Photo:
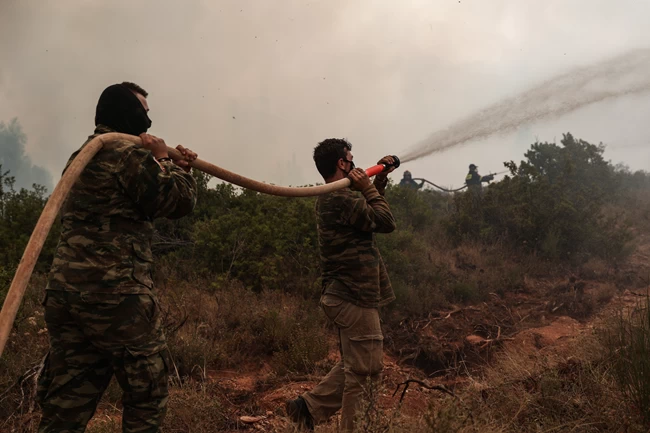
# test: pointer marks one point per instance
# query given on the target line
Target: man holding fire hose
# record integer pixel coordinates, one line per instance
(474, 182)
(355, 285)
(101, 314)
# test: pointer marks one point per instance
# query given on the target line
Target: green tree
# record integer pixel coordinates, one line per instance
(263, 241)
(19, 212)
(551, 205)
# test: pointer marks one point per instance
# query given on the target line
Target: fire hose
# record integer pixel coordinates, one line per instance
(457, 189)
(106, 141)
(441, 188)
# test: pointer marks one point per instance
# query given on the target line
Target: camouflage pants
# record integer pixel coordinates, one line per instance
(358, 373)
(92, 337)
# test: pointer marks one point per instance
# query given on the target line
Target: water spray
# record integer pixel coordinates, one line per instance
(106, 141)
(620, 76)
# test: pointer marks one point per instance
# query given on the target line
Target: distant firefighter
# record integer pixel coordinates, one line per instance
(474, 183)
(408, 182)
(474, 180)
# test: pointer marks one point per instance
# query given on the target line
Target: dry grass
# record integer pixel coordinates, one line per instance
(222, 326)
(207, 328)
(604, 293)
(548, 391)
(524, 392)
(232, 326)
(627, 344)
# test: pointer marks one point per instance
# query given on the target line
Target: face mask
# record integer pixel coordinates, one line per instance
(352, 166)
(119, 109)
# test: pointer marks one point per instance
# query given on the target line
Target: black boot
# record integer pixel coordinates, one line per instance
(298, 412)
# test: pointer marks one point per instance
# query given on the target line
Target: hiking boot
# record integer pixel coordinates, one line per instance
(298, 412)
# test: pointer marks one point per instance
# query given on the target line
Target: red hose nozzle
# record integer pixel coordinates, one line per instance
(376, 169)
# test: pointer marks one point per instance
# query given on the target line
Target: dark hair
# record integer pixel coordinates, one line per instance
(135, 88)
(327, 155)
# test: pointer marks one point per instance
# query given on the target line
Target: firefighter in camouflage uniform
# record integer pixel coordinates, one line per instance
(102, 317)
(355, 285)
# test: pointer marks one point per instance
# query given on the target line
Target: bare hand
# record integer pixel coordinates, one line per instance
(188, 156)
(155, 145)
(387, 161)
(360, 179)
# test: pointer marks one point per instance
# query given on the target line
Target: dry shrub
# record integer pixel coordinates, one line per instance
(233, 326)
(525, 392)
(20, 361)
(578, 307)
(300, 350)
(594, 269)
(604, 293)
(430, 278)
(197, 407)
(627, 341)
(488, 269)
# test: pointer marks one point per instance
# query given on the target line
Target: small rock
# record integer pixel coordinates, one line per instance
(474, 339)
(251, 419)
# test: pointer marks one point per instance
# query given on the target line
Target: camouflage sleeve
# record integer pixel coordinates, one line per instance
(369, 214)
(158, 189)
(380, 183)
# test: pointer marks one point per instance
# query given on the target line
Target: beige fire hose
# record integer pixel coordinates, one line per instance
(54, 203)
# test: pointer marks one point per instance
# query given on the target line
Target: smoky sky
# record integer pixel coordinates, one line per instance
(253, 86)
(15, 163)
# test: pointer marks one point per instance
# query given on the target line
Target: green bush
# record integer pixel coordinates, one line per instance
(263, 241)
(551, 205)
(19, 212)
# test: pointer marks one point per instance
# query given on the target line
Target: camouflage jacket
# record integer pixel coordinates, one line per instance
(352, 267)
(107, 220)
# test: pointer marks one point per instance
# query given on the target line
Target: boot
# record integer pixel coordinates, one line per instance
(298, 412)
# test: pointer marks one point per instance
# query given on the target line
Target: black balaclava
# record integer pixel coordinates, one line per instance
(119, 109)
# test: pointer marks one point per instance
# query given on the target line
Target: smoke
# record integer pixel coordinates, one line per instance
(620, 76)
(250, 84)
(14, 159)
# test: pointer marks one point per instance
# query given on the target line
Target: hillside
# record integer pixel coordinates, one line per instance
(514, 307)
